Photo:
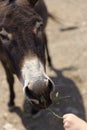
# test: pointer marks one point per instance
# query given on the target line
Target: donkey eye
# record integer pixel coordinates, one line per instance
(38, 27)
(5, 37)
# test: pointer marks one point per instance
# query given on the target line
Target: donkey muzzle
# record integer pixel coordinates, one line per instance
(39, 92)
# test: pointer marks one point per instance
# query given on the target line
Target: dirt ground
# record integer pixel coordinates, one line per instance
(68, 48)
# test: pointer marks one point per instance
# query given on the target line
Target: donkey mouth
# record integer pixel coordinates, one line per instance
(42, 101)
(41, 105)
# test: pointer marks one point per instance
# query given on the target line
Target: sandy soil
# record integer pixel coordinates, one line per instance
(68, 49)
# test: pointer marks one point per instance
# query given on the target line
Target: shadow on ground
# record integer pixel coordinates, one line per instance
(46, 120)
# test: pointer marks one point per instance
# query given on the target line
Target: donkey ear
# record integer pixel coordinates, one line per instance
(5, 37)
(33, 2)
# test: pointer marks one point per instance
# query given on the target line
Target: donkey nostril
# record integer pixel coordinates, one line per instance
(51, 87)
(31, 96)
(28, 92)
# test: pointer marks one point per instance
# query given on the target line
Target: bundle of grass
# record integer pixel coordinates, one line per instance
(55, 99)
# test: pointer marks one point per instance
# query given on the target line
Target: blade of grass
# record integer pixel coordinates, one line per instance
(56, 115)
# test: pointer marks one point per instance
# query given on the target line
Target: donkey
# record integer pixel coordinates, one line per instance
(22, 51)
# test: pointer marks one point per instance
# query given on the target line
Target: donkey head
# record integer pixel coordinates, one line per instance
(21, 35)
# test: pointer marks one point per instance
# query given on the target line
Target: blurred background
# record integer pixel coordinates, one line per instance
(67, 42)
